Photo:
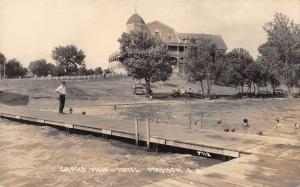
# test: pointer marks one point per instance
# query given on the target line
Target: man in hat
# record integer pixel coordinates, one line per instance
(62, 96)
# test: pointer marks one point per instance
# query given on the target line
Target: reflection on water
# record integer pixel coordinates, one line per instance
(43, 156)
(13, 99)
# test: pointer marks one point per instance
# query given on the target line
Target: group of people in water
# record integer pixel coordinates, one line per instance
(246, 125)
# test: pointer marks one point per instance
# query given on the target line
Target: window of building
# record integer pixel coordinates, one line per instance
(172, 48)
(181, 48)
(157, 33)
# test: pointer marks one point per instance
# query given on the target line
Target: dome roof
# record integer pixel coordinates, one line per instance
(136, 19)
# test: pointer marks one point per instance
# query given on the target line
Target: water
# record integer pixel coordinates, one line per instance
(261, 114)
(10, 98)
(43, 156)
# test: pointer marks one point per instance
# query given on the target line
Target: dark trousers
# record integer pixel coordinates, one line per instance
(62, 100)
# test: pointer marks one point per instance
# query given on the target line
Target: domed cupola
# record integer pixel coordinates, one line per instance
(136, 19)
(136, 23)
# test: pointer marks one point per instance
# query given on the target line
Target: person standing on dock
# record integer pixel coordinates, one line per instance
(62, 96)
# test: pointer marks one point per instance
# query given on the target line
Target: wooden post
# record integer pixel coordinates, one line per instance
(190, 121)
(148, 132)
(201, 115)
(136, 131)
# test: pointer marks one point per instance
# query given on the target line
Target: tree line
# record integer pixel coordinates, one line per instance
(69, 61)
(146, 57)
(278, 61)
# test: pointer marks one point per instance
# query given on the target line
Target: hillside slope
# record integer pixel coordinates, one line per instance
(95, 91)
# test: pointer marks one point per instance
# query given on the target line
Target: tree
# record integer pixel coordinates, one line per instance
(2, 62)
(82, 71)
(90, 72)
(68, 58)
(193, 67)
(41, 68)
(15, 69)
(107, 71)
(51, 69)
(269, 76)
(258, 76)
(239, 63)
(145, 57)
(98, 71)
(241, 70)
(200, 64)
(59, 71)
(282, 48)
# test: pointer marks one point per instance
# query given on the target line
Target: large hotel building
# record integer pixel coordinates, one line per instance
(176, 42)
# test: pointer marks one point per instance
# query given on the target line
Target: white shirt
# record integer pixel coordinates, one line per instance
(61, 89)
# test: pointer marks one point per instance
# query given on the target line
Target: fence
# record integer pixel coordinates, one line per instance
(66, 78)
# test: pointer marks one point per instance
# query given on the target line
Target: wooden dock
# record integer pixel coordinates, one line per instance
(254, 149)
(252, 170)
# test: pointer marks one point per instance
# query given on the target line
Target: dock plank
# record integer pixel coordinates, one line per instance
(252, 170)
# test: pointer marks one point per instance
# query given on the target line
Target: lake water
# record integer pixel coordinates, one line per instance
(43, 156)
(216, 114)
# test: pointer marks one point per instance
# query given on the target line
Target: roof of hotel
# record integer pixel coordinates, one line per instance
(180, 37)
(153, 22)
(136, 19)
(217, 39)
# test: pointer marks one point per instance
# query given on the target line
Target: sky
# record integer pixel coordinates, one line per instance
(30, 29)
